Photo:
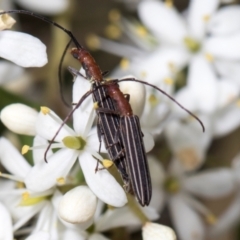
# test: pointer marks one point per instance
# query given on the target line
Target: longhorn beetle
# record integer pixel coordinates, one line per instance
(122, 135)
(107, 124)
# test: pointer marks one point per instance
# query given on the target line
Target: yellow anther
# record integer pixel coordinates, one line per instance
(112, 31)
(20, 185)
(6, 21)
(141, 31)
(61, 180)
(45, 110)
(169, 3)
(206, 18)
(114, 15)
(107, 163)
(172, 66)
(238, 102)
(93, 41)
(211, 219)
(95, 105)
(143, 74)
(168, 81)
(209, 57)
(124, 64)
(153, 100)
(25, 196)
(25, 149)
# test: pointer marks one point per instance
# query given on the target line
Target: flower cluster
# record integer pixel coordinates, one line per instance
(65, 190)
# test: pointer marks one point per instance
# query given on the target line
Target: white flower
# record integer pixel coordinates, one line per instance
(19, 118)
(177, 189)
(82, 144)
(188, 142)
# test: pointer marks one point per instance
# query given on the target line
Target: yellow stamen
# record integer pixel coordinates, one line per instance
(124, 64)
(61, 180)
(141, 31)
(168, 81)
(143, 74)
(76, 143)
(153, 100)
(25, 149)
(169, 3)
(20, 185)
(45, 110)
(238, 102)
(172, 66)
(6, 22)
(114, 15)
(25, 196)
(93, 42)
(206, 18)
(209, 57)
(107, 163)
(211, 219)
(112, 31)
(95, 105)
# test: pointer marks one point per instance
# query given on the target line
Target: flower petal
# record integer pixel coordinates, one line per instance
(148, 141)
(42, 235)
(191, 227)
(38, 153)
(123, 217)
(203, 84)
(97, 236)
(102, 183)
(210, 184)
(9, 73)
(44, 6)
(44, 175)
(12, 160)
(225, 21)
(6, 231)
(165, 22)
(198, 15)
(47, 126)
(188, 142)
(228, 219)
(163, 61)
(22, 49)
(19, 118)
(226, 120)
(81, 115)
(226, 47)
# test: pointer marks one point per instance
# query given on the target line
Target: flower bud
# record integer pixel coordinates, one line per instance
(77, 205)
(19, 118)
(155, 231)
